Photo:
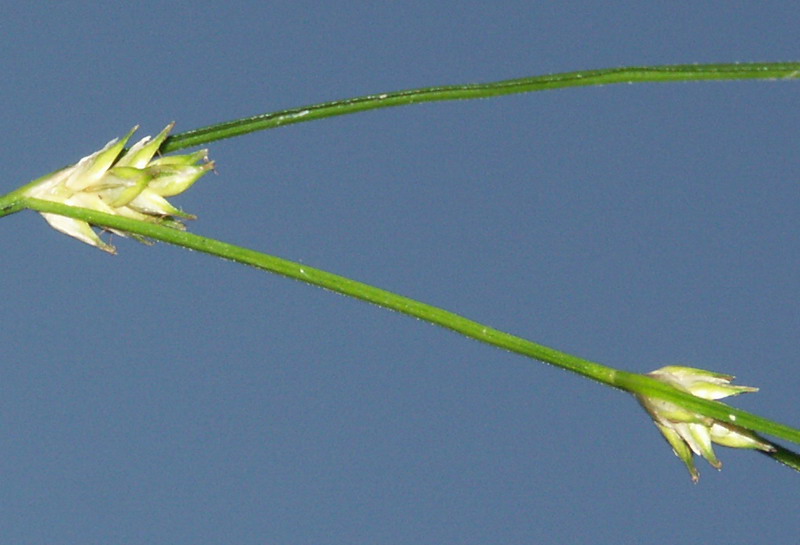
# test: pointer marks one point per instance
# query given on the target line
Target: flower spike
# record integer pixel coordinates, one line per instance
(691, 433)
(128, 183)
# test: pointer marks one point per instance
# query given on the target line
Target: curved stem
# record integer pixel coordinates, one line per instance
(635, 74)
(630, 382)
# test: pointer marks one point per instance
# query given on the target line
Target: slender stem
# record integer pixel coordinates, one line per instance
(784, 456)
(10, 204)
(635, 74)
(631, 382)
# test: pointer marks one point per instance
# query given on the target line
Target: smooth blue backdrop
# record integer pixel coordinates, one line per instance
(162, 396)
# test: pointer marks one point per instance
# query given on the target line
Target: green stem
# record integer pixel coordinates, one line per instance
(635, 74)
(630, 382)
(784, 456)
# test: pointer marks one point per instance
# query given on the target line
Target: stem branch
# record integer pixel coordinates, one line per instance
(633, 74)
(623, 380)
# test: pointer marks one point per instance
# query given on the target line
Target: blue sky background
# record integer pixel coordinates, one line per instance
(162, 396)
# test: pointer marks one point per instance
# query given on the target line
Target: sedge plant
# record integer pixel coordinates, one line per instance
(124, 190)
